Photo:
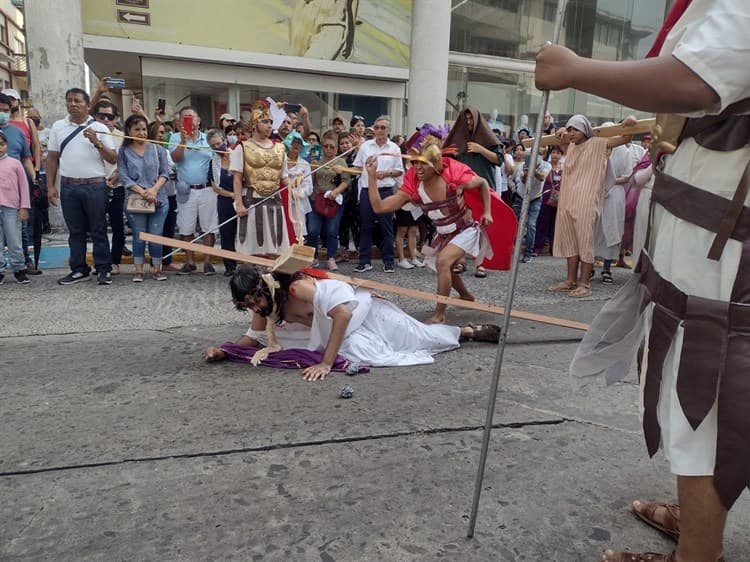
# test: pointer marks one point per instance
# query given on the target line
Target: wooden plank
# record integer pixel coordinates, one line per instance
(370, 284)
(641, 126)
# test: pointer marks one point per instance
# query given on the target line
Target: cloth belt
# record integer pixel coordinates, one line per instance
(197, 185)
(83, 181)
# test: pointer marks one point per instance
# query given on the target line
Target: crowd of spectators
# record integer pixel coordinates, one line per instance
(106, 163)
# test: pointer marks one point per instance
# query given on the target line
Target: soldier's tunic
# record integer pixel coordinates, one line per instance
(263, 230)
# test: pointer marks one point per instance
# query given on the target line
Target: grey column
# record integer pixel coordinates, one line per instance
(54, 32)
(428, 66)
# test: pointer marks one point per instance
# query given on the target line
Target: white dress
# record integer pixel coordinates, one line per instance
(612, 218)
(379, 334)
(300, 167)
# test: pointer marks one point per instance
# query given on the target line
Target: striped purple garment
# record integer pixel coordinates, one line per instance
(287, 358)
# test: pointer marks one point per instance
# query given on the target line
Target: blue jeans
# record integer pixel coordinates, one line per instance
(153, 224)
(84, 208)
(317, 225)
(367, 224)
(534, 208)
(10, 235)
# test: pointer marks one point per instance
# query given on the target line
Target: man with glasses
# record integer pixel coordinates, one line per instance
(105, 112)
(390, 168)
(78, 148)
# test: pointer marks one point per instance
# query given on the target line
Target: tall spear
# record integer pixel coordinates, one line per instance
(511, 288)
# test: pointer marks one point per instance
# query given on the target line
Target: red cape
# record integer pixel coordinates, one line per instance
(502, 231)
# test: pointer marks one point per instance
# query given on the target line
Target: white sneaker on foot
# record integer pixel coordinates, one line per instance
(405, 264)
(417, 263)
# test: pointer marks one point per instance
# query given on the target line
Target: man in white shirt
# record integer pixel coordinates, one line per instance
(78, 147)
(390, 168)
(537, 183)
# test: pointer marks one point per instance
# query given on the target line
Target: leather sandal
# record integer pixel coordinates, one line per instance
(581, 291)
(607, 278)
(562, 287)
(671, 525)
(458, 268)
(641, 557)
(480, 272)
(489, 333)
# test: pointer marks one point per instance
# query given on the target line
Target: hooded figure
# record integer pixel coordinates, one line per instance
(480, 149)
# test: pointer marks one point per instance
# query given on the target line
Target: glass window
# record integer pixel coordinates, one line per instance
(605, 29)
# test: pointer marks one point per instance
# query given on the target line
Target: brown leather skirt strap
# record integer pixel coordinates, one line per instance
(663, 328)
(704, 346)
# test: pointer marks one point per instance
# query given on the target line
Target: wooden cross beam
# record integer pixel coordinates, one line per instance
(370, 284)
(641, 126)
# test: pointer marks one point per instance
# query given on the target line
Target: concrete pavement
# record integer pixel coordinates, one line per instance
(120, 443)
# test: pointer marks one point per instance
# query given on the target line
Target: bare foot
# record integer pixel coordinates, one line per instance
(435, 319)
(467, 297)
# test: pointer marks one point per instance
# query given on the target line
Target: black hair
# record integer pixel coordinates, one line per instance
(5, 100)
(356, 119)
(3, 138)
(317, 136)
(104, 103)
(517, 145)
(153, 129)
(129, 122)
(247, 280)
(229, 128)
(80, 92)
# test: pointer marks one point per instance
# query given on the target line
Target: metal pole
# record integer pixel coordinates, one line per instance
(511, 289)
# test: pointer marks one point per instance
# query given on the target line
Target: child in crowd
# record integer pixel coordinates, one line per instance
(14, 209)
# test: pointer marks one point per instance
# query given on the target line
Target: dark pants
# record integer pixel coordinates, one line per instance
(318, 225)
(531, 218)
(170, 222)
(545, 228)
(27, 227)
(228, 232)
(84, 208)
(350, 218)
(115, 208)
(367, 224)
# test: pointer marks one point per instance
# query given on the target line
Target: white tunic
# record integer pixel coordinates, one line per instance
(711, 40)
(379, 334)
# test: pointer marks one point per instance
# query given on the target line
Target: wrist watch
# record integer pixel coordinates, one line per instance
(99, 146)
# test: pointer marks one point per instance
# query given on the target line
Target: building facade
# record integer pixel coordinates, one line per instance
(348, 57)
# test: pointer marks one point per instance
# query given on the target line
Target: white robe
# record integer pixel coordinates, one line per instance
(379, 334)
(612, 219)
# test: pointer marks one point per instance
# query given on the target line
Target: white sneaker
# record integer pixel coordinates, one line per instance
(405, 264)
(417, 263)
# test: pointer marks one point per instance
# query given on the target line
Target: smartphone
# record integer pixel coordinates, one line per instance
(161, 105)
(187, 124)
(292, 107)
(118, 83)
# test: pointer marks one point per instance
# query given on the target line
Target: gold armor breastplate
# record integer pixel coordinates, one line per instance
(263, 167)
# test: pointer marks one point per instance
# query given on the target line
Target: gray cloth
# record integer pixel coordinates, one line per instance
(581, 123)
(143, 170)
(612, 340)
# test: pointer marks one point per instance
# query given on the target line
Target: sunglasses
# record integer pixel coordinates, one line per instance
(379, 127)
(105, 116)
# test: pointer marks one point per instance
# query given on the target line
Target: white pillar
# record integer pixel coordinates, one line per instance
(54, 32)
(54, 42)
(233, 100)
(428, 66)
